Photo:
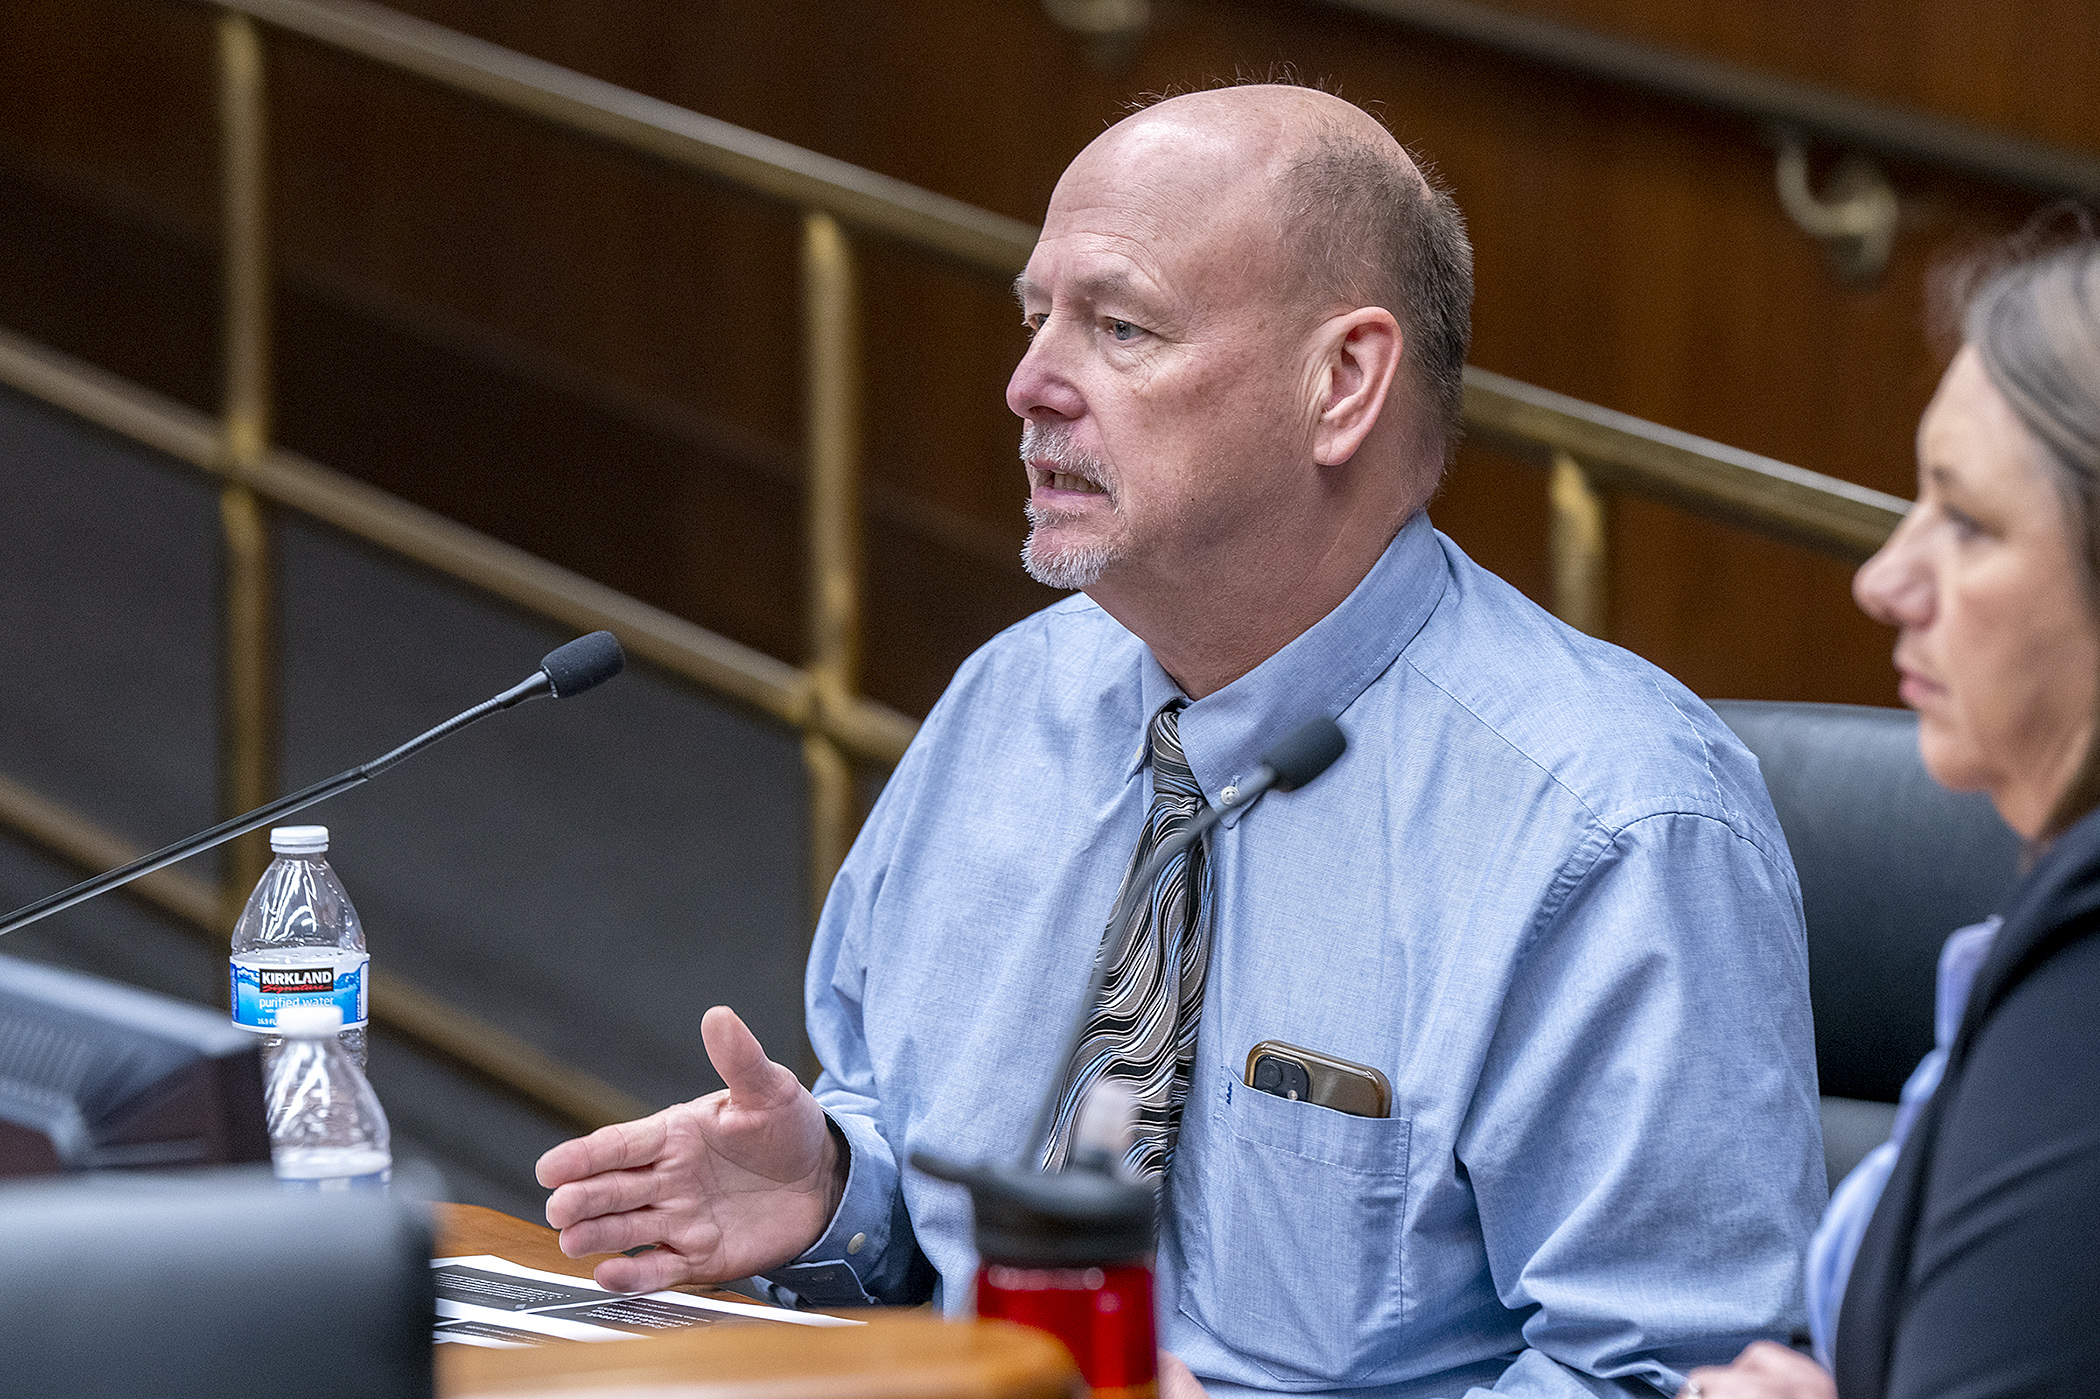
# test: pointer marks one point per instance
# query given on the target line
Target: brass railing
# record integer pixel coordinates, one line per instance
(1590, 449)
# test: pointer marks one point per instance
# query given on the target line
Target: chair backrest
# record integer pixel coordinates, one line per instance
(217, 1285)
(1890, 864)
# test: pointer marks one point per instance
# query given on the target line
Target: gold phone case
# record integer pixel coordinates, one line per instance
(1357, 1089)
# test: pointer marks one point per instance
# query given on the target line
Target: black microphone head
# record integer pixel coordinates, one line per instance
(1305, 754)
(585, 662)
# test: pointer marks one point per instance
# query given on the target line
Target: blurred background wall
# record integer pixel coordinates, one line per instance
(598, 360)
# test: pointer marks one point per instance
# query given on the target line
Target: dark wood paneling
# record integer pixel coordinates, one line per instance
(599, 360)
(2025, 67)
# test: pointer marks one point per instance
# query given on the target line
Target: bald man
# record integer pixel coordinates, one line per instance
(1542, 894)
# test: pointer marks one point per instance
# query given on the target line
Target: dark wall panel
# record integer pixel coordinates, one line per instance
(600, 360)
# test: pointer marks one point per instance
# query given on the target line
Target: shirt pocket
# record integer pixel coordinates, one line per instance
(1301, 1211)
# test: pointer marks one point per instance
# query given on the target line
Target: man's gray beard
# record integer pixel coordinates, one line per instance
(1072, 568)
(1075, 566)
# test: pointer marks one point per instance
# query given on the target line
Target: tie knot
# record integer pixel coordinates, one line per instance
(1171, 775)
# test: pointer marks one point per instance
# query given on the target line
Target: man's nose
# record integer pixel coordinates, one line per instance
(1041, 386)
(1895, 587)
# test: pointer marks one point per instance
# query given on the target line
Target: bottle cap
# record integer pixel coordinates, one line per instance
(309, 1022)
(299, 840)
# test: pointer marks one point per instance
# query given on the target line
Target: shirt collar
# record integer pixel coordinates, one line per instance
(1321, 672)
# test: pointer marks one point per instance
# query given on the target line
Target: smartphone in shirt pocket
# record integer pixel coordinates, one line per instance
(1306, 1075)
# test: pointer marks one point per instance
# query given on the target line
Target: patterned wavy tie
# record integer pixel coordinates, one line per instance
(1143, 1029)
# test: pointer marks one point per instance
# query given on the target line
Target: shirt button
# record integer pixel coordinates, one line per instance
(1229, 796)
(855, 1244)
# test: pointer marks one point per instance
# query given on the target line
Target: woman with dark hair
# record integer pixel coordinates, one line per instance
(1963, 1259)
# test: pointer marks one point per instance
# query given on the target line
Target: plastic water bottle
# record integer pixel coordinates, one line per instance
(299, 942)
(327, 1130)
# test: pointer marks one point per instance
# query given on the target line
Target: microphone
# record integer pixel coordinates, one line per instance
(1303, 755)
(583, 664)
(566, 671)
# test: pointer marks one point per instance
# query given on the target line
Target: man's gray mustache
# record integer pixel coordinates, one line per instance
(1041, 444)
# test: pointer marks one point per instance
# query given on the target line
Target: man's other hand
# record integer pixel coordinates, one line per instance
(727, 1185)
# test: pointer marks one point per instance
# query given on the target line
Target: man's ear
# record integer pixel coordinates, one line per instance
(1361, 354)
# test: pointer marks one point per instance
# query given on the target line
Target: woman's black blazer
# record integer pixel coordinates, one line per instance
(1980, 1272)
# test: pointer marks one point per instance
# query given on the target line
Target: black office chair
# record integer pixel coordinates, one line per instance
(1890, 864)
(212, 1285)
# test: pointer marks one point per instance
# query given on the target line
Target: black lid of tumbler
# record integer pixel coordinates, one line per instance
(1070, 1219)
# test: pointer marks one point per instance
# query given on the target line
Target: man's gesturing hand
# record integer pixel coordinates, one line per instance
(730, 1184)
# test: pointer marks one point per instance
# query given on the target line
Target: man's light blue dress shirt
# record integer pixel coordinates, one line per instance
(1543, 891)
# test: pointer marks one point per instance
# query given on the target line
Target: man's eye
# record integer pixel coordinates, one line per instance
(1124, 330)
(1031, 324)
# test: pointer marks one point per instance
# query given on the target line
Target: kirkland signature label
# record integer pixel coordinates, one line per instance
(260, 991)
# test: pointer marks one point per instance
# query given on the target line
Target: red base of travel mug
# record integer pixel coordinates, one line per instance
(1103, 1315)
(1067, 1253)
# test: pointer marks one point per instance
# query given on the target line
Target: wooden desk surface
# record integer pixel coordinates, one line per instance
(913, 1356)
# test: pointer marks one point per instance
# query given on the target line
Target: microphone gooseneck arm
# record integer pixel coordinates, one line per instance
(1301, 757)
(579, 669)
